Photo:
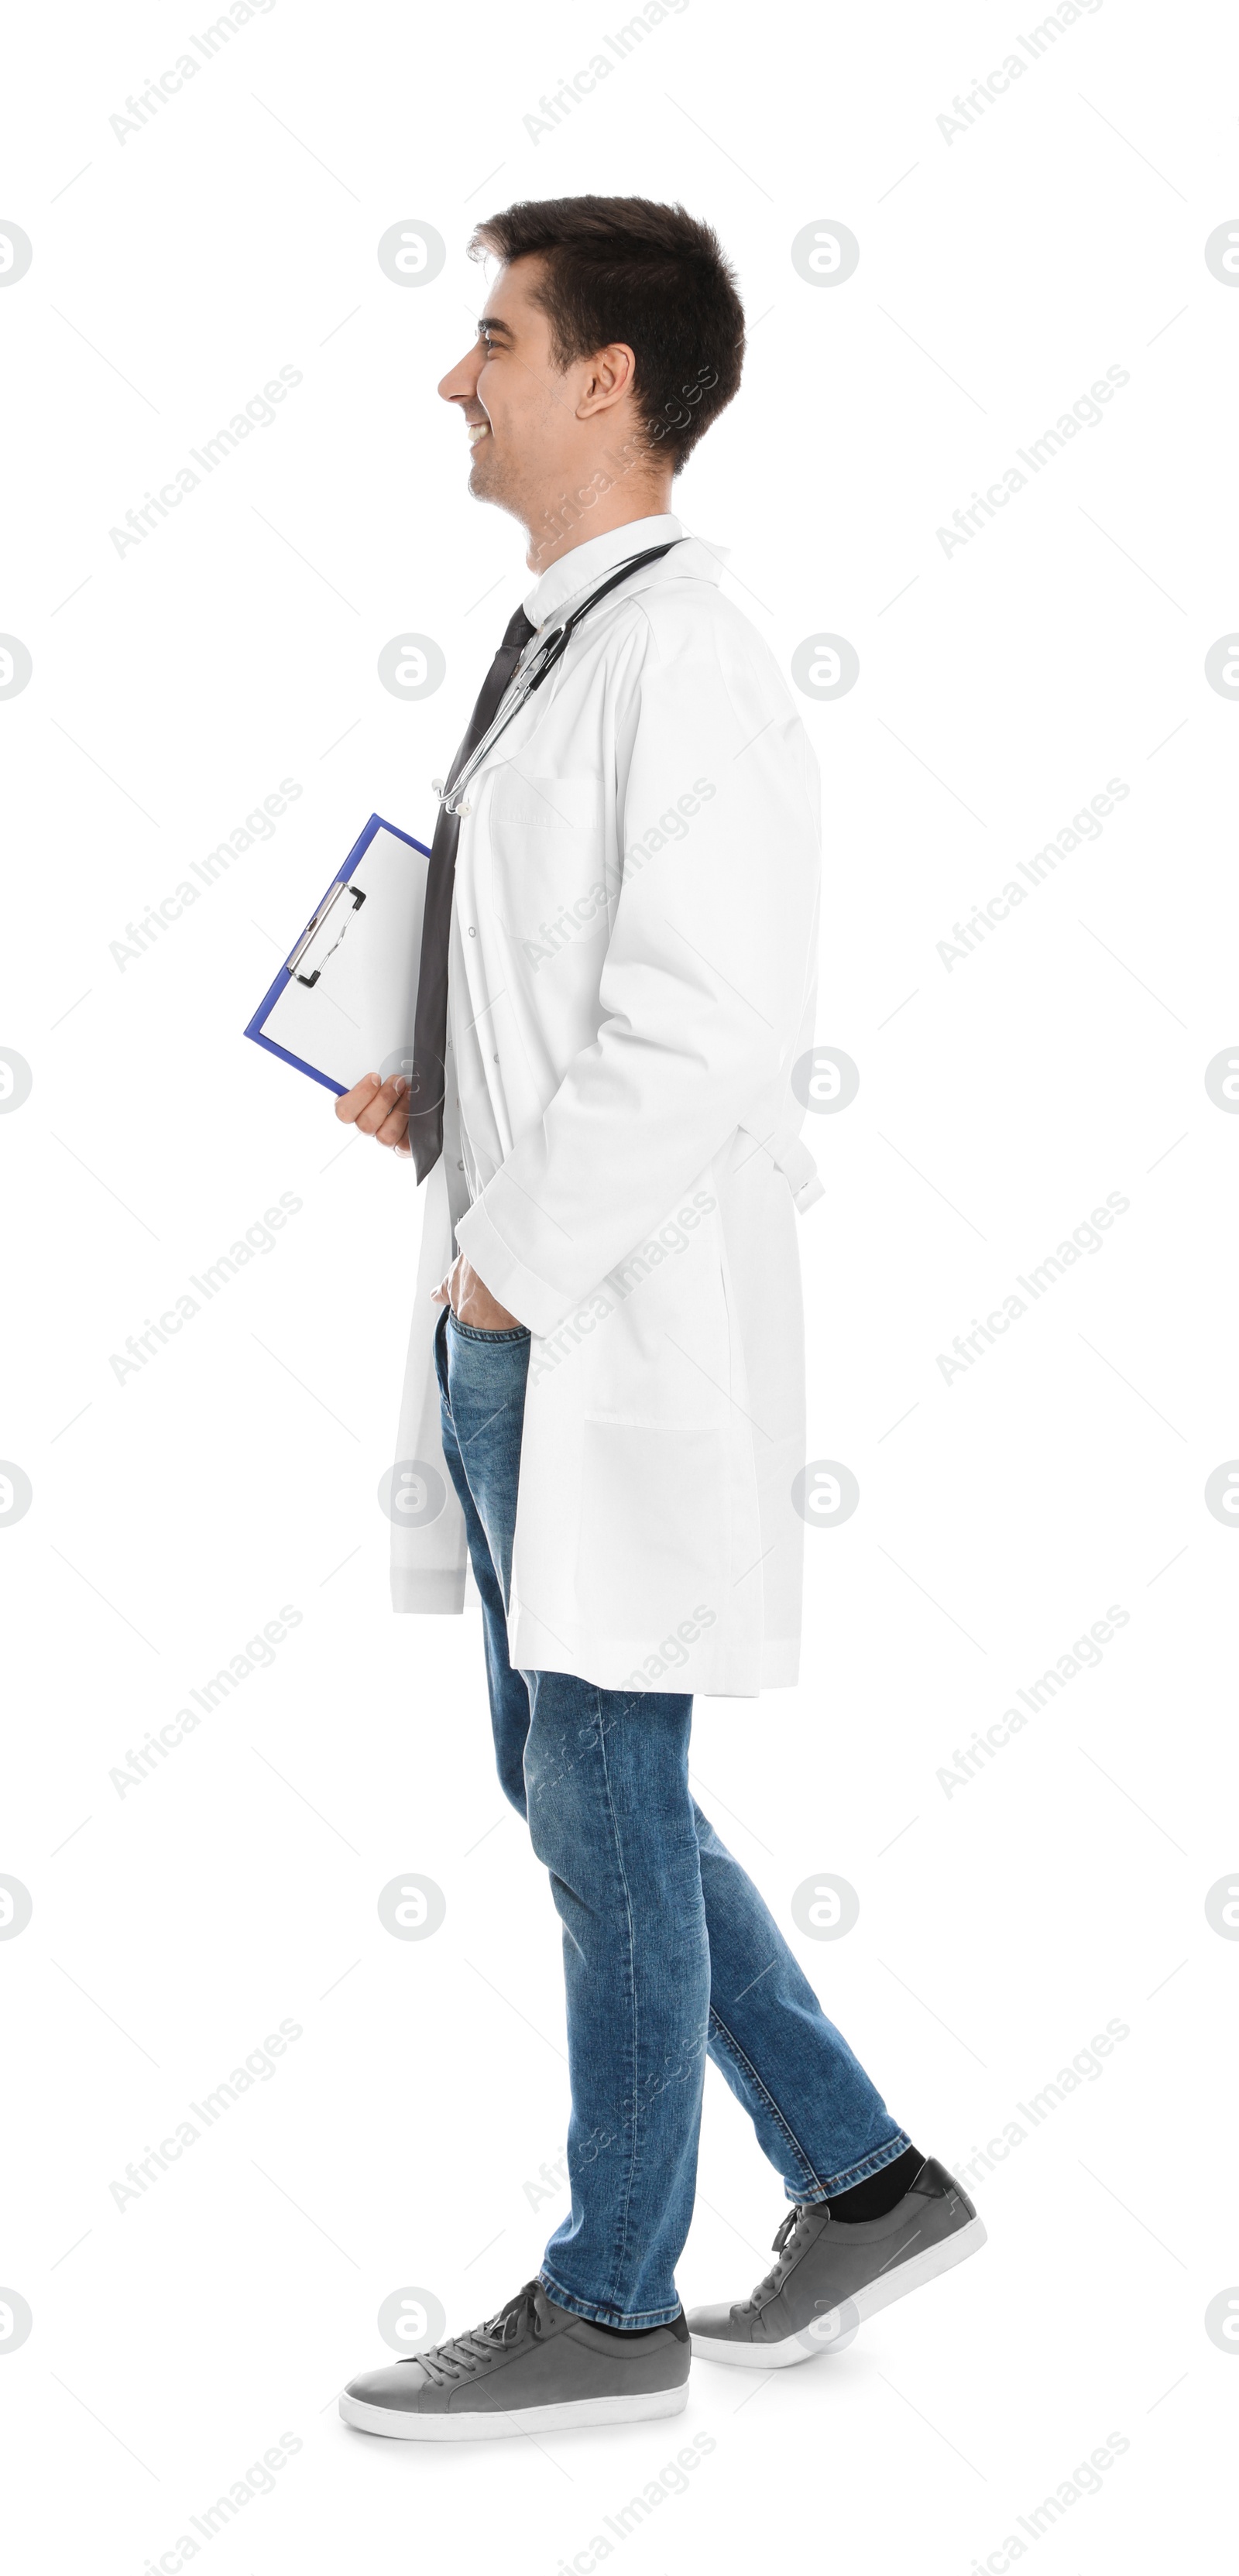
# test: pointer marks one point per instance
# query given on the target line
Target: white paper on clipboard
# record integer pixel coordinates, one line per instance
(346, 999)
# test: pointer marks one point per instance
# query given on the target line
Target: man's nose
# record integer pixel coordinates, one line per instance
(463, 379)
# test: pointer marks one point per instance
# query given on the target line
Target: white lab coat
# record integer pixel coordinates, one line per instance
(631, 982)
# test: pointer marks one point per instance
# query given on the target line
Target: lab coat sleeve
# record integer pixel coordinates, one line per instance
(705, 972)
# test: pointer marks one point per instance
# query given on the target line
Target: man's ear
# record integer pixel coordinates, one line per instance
(613, 373)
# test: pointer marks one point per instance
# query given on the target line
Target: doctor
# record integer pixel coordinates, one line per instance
(604, 1408)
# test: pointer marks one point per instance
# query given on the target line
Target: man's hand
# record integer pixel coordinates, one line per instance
(379, 1109)
(471, 1301)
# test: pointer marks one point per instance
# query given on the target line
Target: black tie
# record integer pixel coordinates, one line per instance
(427, 1078)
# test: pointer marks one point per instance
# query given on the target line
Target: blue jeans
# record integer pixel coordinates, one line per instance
(670, 1954)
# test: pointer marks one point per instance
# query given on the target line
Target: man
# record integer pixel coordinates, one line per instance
(606, 1409)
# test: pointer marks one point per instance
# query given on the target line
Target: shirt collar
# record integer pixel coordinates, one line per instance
(576, 572)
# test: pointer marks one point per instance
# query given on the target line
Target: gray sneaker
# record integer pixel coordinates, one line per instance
(534, 2368)
(829, 2275)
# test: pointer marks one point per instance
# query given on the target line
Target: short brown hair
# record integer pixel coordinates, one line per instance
(625, 268)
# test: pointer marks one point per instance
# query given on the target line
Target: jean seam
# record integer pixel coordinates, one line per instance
(623, 2214)
(577, 2308)
(865, 2166)
(750, 2070)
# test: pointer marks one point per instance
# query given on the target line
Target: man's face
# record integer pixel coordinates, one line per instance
(535, 434)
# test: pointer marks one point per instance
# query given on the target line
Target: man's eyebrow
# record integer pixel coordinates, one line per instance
(493, 322)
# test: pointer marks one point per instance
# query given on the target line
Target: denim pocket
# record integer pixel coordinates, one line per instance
(475, 1332)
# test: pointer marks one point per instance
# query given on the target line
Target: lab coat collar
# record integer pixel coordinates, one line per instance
(568, 579)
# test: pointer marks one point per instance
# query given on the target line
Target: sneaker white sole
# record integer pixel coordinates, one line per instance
(403, 2425)
(837, 2326)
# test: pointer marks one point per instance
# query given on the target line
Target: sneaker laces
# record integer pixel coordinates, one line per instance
(464, 2354)
(786, 2244)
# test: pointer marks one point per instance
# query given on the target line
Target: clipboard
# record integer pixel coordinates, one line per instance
(345, 1000)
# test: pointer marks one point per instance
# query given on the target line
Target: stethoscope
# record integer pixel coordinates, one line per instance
(529, 676)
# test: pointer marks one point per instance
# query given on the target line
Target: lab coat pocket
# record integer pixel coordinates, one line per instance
(547, 847)
(653, 1530)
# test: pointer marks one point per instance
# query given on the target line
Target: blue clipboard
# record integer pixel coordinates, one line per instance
(344, 1002)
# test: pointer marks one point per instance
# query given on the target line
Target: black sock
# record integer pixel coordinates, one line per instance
(872, 2199)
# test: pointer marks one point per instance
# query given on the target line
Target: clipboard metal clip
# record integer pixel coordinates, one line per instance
(330, 899)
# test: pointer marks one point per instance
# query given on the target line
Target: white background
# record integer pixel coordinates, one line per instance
(173, 1514)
